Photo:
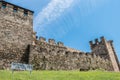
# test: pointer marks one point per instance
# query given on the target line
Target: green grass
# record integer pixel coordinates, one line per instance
(59, 75)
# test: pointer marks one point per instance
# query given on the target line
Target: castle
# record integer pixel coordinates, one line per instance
(19, 44)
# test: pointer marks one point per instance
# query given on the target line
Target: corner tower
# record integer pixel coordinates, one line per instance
(16, 29)
(105, 49)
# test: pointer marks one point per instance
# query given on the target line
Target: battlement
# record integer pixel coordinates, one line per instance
(16, 11)
(59, 44)
(51, 42)
(4, 4)
(42, 39)
(97, 42)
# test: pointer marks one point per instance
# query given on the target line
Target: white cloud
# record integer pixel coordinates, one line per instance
(53, 10)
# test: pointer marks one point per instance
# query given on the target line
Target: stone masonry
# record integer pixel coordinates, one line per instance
(55, 56)
(105, 49)
(15, 33)
(20, 44)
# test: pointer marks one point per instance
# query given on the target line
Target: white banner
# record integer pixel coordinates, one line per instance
(20, 66)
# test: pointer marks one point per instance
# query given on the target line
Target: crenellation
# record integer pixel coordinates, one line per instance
(60, 43)
(51, 41)
(91, 44)
(96, 42)
(42, 39)
(17, 12)
(7, 3)
(102, 39)
(30, 15)
(20, 12)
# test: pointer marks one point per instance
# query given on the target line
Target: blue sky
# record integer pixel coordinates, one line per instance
(76, 22)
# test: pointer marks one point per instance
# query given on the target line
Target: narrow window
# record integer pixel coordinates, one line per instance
(25, 13)
(15, 9)
(3, 5)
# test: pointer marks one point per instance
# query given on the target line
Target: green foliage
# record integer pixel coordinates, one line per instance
(59, 75)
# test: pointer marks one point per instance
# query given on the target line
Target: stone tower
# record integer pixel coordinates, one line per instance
(15, 33)
(105, 50)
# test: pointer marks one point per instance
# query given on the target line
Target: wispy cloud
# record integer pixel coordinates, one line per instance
(53, 10)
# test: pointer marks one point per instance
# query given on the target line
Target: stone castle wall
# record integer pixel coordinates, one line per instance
(50, 56)
(15, 33)
(18, 43)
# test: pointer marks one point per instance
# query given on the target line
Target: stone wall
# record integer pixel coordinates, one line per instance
(15, 33)
(99, 48)
(105, 49)
(50, 56)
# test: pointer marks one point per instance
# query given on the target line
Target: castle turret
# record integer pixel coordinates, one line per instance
(105, 50)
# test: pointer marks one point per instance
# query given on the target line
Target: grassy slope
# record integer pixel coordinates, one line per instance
(60, 75)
